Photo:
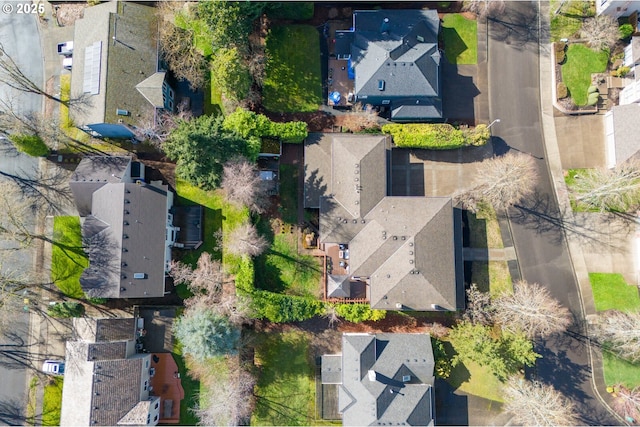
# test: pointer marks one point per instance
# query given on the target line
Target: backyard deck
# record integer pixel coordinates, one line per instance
(167, 384)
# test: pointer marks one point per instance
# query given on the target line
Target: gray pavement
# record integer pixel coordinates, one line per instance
(581, 141)
(518, 66)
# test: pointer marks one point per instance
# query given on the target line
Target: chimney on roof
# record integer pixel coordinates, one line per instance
(384, 27)
(373, 375)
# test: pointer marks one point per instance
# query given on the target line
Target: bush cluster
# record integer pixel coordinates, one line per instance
(626, 30)
(32, 145)
(281, 308)
(561, 90)
(252, 125)
(66, 309)
(441, 136)
(356, 313)
(560, 48)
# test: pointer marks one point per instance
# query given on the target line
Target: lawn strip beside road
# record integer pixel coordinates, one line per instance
(68, 259)
(611, 292)
(292, 81)
(52, 401)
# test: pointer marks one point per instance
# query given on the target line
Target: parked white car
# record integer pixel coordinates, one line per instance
(53, 367)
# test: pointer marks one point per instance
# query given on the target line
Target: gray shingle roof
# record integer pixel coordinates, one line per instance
(92, 173)
(151, 89)
(386, 378)
(404, 54)
(625, 127)
(104, 380)
(133, 242)
(405, 245)
(125, 61)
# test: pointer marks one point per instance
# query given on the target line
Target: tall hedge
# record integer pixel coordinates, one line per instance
(280, 308)
(356, 313)
(252, 125)
(440, 136)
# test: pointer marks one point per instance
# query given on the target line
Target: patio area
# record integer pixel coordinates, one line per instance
(339, 82)
(337, 275)
(167, 384)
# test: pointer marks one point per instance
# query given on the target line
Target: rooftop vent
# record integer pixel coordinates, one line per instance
(406, 378)
(384, 27)
(420, 39)
(398, 305)
(381, 83)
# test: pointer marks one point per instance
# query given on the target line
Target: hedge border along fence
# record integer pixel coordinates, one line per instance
(440, 136)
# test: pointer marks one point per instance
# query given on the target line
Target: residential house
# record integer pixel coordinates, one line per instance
(106, 382)
(394, 59)
(631, 92)
(383, 379)
(116, 69)
(396, 253)
(622, 142)
(127, 227)
(617, 8)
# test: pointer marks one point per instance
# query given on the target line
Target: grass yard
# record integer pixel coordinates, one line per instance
(576, 71)
(217, 214)
(68, 259)
(460, 39)
(610, 291)
(52, 402)
(619, 371)
(212, 99)
(282, 269)
(492, 276)
(292, 77)
(474, 379)
(567, 22)
(285, 393)
(289, 193)
(191, 389)
(484, 229)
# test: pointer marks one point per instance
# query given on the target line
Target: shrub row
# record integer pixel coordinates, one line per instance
(441, 136)
(356, 313)
(252, 125)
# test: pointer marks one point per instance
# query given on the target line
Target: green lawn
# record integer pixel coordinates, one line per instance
(292, 77)
(619, 371)
(492, 276)
(610, 291)
(460, 39)
(289, 193)
(217, 214)
(285, 393)
(576, 71)
(68, 259)
(282, 269)
(474, 379)
(567, 22)
(191, 389)
(52, 402)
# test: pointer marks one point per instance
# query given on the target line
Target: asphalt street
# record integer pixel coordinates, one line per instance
(20, 39)
(514, 87)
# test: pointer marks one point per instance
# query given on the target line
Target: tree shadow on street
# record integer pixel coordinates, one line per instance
(538, 213)
(518, 26)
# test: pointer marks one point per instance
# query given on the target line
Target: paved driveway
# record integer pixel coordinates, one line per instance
(581, 141)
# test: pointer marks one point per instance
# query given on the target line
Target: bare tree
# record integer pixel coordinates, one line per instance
(360, 118)
(178, 47)
(229, 399)
(48, 189)
(616, 189)
(14, 222)
(205, 281)
(242, 184)
(626, 402)
(532, 403)
(245, 240)
(484, 7)
(502, 181)
(479, 309)
(156, 126)
(601, 31)
(621, 331)
(532, 310)
(330, 313)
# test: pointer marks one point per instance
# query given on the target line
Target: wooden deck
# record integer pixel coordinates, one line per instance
(167, 384)
(326, 399)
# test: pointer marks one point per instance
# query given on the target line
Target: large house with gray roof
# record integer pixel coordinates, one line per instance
(116, 69)
(106, 382)
(383, 379)
(127, 228)
(394, 252)
(394, 59)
